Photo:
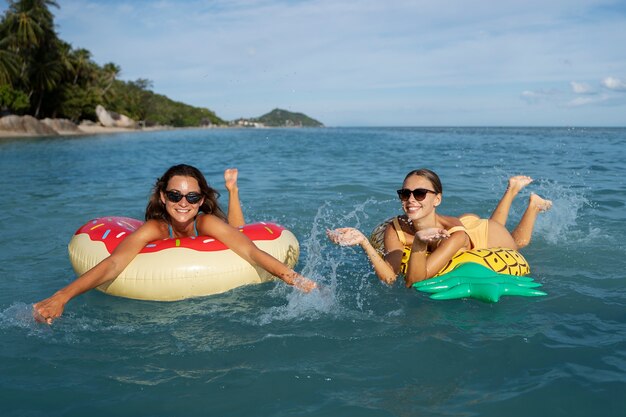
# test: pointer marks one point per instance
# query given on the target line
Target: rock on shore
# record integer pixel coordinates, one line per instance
(112, 119)
(62, 126)
(109, 122)
(25, 125)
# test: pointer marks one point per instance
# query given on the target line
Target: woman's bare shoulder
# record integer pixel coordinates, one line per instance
(209, 224)
(153, 229)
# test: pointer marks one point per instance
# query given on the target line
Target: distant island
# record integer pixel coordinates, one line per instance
(279, 118)
(49, 87)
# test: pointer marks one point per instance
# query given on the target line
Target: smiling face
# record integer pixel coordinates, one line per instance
(418, 210)
(182, 211)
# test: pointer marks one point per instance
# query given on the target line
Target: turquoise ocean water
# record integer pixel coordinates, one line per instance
(355, 348)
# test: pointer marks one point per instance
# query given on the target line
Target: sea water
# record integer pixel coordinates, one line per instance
(356, 347)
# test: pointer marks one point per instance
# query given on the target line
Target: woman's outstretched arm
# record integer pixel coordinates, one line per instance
(244, 247)
(387, 267)
(109, 268)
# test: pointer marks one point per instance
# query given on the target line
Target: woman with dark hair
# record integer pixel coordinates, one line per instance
(421, 242)
(178, 198)
(157, 210)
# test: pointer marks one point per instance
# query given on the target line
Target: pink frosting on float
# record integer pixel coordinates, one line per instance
(112, 230)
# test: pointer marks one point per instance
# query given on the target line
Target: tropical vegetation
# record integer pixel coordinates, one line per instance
(44, 76)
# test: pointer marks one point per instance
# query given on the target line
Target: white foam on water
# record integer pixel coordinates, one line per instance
(560, 224)
(321, 264)
(71, 328)
(20, 315)
(300, 305)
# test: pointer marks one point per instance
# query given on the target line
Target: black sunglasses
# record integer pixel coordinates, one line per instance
(176, 196)
(419, 193)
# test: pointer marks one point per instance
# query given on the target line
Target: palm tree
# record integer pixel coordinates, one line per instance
(65, 56)
(26, 35)
(80, 61)
(41, 8)
(31, 21)
(44, 76)
(38, 10)
(9, 61)
(28, 30)
(111, 71)
(30, 26)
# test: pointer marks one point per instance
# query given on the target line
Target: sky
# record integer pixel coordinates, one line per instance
(370, 63)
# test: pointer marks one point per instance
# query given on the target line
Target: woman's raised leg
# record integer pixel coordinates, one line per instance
(524, 229)
(501, 213)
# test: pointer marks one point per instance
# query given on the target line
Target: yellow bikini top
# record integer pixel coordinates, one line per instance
(406, 251)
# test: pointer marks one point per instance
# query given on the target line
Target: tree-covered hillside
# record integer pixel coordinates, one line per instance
(44, 76)
(284, 118)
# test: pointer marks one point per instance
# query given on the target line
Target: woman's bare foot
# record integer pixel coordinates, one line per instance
(518, 182)
(230, 179)
(538, 203)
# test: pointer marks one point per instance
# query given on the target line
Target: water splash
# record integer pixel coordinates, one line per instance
(71, 328)
(317, 268)
(19, 315)
(322, 263)
(560, 224)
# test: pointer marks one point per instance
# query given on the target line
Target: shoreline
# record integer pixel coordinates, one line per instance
(88, 130)
(26, 126)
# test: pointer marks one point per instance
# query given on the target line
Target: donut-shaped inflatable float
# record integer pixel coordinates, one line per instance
(179, 268)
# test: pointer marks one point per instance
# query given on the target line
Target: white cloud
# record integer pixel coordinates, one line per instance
(582, 101)
(534, 97)
(614, 84)
(581, 88)
(531, 96)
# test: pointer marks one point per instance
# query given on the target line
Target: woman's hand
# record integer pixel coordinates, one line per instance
(433, 234)
(230, 178)
(300, 282)
(346, 236)
(48, 310)
(304, 284)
